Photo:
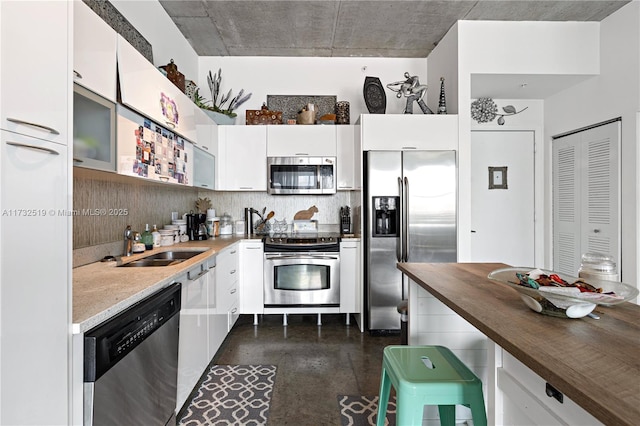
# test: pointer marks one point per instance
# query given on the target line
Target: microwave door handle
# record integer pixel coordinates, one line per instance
(406, 219)
(400, 238)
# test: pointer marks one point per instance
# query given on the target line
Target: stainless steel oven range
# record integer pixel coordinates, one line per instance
(302, 270)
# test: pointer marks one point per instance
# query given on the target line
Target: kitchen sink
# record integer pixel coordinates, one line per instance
(165, 258)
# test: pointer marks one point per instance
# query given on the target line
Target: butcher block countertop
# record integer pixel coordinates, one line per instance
(596, 363)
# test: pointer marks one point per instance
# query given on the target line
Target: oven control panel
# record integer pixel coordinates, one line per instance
(300, 242)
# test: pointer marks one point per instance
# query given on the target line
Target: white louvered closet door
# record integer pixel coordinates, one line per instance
(586, 196)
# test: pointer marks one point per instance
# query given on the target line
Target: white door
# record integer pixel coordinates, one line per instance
(586, 196)
(502, 218)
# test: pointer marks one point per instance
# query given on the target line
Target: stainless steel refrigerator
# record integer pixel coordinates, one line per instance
(410, 199)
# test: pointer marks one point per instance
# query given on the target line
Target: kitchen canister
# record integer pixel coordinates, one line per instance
(213, 226)
(226, 224)
(239, 225)
(597, 266)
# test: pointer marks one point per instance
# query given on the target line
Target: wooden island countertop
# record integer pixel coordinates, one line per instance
(596, 363)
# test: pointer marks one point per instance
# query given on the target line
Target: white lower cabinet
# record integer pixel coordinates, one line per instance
(431, 322)
(227, 309)
(513, 393)
(195, 314)
(523, 399)
(35, 293)
(350, 286)
(251, 277)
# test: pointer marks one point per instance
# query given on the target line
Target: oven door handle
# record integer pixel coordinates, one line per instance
(300, 256)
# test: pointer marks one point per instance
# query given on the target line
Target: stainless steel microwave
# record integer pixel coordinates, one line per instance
(301, 175)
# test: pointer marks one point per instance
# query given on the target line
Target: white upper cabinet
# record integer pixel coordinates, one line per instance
(148, 151)
(144, 89)
(295, 140)
(348, 159)
(94, 52)
(393, 132)
(35, 70)
(242, 158)
(203, 168)
(206, 131)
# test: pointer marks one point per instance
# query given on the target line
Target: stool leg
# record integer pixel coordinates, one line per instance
(478, 413)
(409, 410)
(383, 399)
(448, 415)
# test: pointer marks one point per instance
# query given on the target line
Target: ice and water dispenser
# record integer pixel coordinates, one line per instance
(386, 216)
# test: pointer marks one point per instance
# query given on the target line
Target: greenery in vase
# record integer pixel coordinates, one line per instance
(217, 102)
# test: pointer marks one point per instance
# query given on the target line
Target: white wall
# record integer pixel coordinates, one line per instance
(500, 47)
(614, 93)
(530, 119)
(443, 62)
(342, 77)
(497, 47)
(153, 22)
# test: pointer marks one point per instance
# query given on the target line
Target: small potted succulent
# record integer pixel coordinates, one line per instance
(220, 108)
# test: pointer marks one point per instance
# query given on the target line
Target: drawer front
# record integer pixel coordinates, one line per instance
(525, 394)
(233, 315)
(227, 265)
(227, 296)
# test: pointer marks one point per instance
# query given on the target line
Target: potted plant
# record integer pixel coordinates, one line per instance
(215, 107)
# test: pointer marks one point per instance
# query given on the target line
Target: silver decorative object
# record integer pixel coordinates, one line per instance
(442, 102)
(413, 91)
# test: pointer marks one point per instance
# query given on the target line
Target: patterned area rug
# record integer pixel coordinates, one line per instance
(232, 395)
(363, 410)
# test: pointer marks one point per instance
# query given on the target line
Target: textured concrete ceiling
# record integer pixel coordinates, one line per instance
(407, 29)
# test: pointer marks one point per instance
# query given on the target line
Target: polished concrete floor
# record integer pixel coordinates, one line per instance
(314, 363)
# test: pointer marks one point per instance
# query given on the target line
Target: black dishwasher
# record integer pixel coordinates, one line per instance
(131, 364)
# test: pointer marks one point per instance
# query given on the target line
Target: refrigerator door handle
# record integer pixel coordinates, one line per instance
(405, 230)
(399, 254)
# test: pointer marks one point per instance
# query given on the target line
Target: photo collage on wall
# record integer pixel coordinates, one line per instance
(160, 152)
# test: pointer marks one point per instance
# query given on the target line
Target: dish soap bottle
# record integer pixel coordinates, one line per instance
(157, 238)
(147, 238)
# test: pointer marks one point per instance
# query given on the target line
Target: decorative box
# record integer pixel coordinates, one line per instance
(175, 76)
(263, 116)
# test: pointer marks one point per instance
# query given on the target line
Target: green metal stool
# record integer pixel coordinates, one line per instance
(428, 375)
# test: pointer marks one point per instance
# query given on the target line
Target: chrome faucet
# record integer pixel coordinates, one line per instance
(128, 241)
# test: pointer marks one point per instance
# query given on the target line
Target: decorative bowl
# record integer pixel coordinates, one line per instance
(564, 302)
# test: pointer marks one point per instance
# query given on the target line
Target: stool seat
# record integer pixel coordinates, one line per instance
(428, 375)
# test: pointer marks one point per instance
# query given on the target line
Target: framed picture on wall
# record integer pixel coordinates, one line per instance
(497, 177)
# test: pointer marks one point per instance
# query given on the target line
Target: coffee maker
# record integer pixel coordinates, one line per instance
(197, 226)
(385, 216)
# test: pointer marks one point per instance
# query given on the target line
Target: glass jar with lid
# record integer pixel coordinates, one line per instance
(226, 224)
(598, 266)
